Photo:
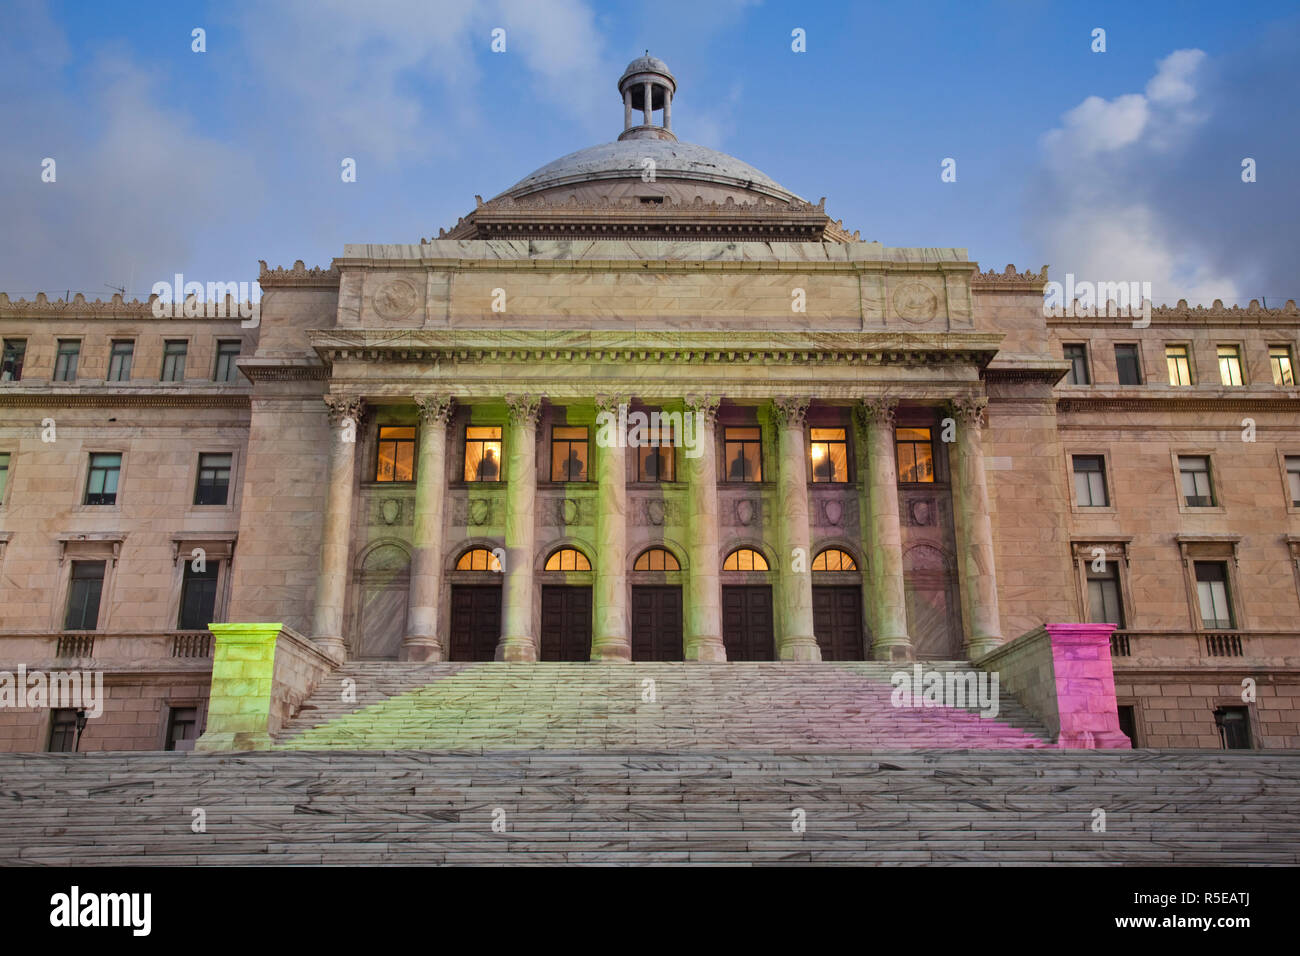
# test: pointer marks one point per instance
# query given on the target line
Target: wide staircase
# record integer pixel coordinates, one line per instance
(778, 707)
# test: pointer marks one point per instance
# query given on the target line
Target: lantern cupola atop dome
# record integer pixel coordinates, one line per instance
(647, 87)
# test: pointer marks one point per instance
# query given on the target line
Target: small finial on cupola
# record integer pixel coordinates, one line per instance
(647, 85)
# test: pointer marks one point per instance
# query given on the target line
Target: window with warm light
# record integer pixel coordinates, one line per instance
(656, 559)
(568, 559)
(1279, 360)
(568, 453)
(1180, 364)
(396, 460)
(830, 455)
(745, 559)
(833, 559)
(915, 455)
(744, 454)
(478, 559)
(656, 460)
(483, 453)
(1230, 365)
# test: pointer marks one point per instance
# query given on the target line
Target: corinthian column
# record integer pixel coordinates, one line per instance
(795, 639)
(422, 642)
(518, 642)
(702, 632)
(611, 640)
(332, 580)
(890, 642)
(974, 529)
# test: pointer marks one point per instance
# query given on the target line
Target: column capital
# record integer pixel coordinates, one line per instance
(344, 407)
(524, 409)
(611, 403)
(877, 410)
(968, 410)
(790, 411)
(434, 409)
(706, 405)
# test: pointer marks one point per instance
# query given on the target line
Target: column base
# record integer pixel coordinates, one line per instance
(979, 646)
(420, 647)
(613, 652)
(893, 650)
(800, 649)
(334, 648)
(706, 650)
(517, 650)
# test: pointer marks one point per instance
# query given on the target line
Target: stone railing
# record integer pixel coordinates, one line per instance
(1140, 648)
(146, 650)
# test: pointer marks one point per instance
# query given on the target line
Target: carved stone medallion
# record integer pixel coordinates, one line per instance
(396, 299)
(915, 302)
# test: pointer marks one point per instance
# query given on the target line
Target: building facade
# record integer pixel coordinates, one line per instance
(648, 404)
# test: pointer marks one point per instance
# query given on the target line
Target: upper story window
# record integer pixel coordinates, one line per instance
(743, 454)
(174, 351)
(227, 352)
(1198, 489)
(656, 559)
(4, 474)
(1292, 480)
(11, 364)
(101, 480)
(568, 453)
(915, 455)
(198, 596)
(830, 455)
(213, 487)
(1077, 355)
(1090, 481)
(1128, 364)
(65, 362)
(85, 587)
(657, 459)
(483, 453)
(745, 559)
(396, 460)
(1104, 604)
(119, 360)
(1213, 596)
(1180, 364)
(1230, 365)
(1279, 359)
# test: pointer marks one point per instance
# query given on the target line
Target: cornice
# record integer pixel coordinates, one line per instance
(282, 370)
(103, 396)
(79, 307)
(299, 275)
(1009, 280)
(1288, 401)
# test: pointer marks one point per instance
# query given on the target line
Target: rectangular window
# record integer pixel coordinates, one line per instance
(568, 453)
(63, 731)
(1128, 364)
(1279, 359)
(1292, 480)
(1198, 490)
(1090, 481)
(1180, 366)
(1233, 724)
(915, 455)
(227, 352)
(744, 454)
(213, 486)
(65, 363)
(85, 587)
(1077, 356)
(182, 728)
(198, 596)
(1104, 605)
(396, 454)
(173, 369)
(1212, 593)
(119, 361)
(483, 453)
(4, 475)
(101, 481)
(657, 459)
(830, 455)
(11, 365)
(1230, 365)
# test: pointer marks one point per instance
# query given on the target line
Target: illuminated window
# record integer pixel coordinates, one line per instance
(915, 455)
(568, 453)
(568, 559)
(1279, 358)
(744, 559)
(1230, 365)
(744, 454)
(478, 559)
(1180, 366)
(657, 459)
(396, 454)
(830, 455)
(656, 559)
(833, 559)
(483, 453)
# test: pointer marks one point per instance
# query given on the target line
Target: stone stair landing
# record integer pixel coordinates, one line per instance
(771, 707)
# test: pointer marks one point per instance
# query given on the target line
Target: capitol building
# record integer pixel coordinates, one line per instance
(844, 453)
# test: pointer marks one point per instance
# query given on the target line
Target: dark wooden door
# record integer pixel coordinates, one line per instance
(656, 623)
(475, 622)
(747, 623)
(837, 622)
(566, 623)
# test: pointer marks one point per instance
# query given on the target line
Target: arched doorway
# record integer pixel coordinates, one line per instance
(747, 628)
(837, 605)
(383, 587)
(475, 606)
(656, 606)
(566, 606)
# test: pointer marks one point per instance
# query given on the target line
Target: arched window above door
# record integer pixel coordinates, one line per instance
(656, 559)
(745, 559)
(833, 559)
(567, 559)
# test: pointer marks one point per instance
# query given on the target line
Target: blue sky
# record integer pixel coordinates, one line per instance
(1120, 165)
